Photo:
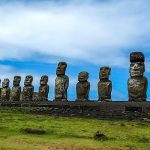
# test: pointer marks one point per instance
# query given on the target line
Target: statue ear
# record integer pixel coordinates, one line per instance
(99, 75)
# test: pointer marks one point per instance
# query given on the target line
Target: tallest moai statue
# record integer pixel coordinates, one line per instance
(61, 82)
(137, 83)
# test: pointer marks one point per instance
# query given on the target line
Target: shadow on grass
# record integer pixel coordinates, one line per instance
(143, 140)
(143, 124)
(53, 133)
(73, 135)
(97, 136)
(36, 131)
(33, 131)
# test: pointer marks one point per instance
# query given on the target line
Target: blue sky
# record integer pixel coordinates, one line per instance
(36, 34)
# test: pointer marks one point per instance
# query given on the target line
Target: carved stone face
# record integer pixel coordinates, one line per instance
(28, 80)
(137, 69)
(104, 72)
(62, 65)
(60, 71)
(16, 81)
(44, 80)
(5, 83)
(83, 76)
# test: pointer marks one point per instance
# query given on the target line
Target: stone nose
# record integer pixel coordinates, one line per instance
(135, 66)
(102, 71)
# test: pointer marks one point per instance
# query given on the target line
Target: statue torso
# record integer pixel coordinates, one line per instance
(61, 85)
(137, 88)
(104, 89)
(28, 91)
(5, 93)
(15, 93)
(83, 90)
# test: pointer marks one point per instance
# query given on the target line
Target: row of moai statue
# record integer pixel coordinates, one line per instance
(15, 94)
(137, 84)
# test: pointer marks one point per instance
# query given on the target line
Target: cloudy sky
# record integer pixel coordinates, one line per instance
(36, 34)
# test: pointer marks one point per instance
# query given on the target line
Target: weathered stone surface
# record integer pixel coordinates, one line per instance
(104, 85)
(44, 88)
(36, 96)
(137, 83)
(16, 89)
(28, 89)
(5, 91)
(61, 82)
(109, 110)
(83, 87)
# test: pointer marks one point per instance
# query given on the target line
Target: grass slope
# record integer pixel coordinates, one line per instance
(70, 133)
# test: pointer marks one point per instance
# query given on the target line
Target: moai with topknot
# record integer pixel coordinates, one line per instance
(137, 83)
(61, 82)
(43, 89)
(16, 89)
(104, 85)
(83, 87)
(28, 89)
(5, 91)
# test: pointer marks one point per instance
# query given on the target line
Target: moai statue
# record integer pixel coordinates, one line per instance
(104, 85)
(5, 91)
(61, 82)
(44, 88)
(137, 83)
(83, 87)
(16, 89)
(28, 89)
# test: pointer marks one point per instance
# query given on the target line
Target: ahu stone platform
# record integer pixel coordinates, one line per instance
(110, 110)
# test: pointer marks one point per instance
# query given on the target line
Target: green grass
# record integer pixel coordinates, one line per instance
(69, 133)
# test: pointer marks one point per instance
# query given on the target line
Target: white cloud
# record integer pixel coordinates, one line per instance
(9, 72)
(99, 33)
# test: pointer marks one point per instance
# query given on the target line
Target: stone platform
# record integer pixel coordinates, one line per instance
(111, 110)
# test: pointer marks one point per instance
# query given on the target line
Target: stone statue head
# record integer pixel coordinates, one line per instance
(17, 80)
(5, 83)
(83, 76)
(28, 80)
(44, 80)
(137, 67)
(62, 65)
(60, 71)
(104, 72)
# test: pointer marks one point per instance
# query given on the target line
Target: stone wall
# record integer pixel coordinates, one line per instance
(110, 110)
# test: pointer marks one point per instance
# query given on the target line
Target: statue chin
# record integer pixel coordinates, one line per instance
(136, 74)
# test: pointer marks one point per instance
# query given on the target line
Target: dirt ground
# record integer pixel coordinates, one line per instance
(72, 147)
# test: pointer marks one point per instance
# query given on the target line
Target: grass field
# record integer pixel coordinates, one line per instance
(64, 133)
